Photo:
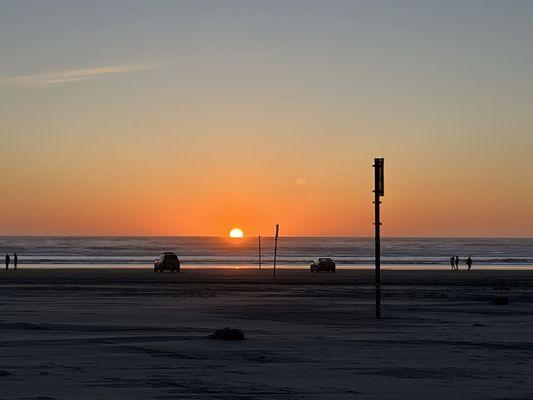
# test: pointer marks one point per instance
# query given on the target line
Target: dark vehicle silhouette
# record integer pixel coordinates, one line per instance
(167, 261)
(323, 265)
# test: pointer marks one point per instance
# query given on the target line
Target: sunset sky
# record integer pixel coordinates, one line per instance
(194, 117)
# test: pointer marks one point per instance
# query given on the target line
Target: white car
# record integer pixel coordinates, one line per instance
(323, 265)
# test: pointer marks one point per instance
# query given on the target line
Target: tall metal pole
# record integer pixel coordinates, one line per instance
(378, 192)
(275, 250)
(377, 249)
(259, 243)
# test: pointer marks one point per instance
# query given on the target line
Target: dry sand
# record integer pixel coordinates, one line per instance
(133, 334)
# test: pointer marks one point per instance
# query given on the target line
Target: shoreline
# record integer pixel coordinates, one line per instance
(265, 267)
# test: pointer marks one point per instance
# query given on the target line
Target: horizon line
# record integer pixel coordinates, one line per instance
(267, 236)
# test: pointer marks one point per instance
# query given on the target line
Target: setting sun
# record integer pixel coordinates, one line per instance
(236, 233)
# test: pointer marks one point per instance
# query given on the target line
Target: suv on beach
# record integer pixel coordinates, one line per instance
(323, 265)
(167, 261)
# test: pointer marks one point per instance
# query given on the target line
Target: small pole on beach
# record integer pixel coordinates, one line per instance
(259, 249)
(275, 250)
(378, 192)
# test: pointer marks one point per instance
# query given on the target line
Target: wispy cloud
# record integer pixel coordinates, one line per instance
(57, 78)
(301, 181)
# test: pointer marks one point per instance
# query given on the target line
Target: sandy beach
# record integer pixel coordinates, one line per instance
(133, 334)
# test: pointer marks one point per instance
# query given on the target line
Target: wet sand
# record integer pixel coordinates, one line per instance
(134, 334)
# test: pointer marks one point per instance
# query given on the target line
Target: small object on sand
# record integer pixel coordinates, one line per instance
(228, 334)
(502, 285)
(500, 300)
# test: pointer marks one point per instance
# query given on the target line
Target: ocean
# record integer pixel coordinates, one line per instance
(200, 252)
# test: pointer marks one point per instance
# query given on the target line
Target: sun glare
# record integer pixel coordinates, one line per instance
(236, 233)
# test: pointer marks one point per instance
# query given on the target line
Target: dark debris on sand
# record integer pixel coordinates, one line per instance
(228, 334)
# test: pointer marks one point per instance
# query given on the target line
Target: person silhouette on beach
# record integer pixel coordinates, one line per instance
(452, 262)
(457, 263)
(7, 261)
(469, 262)
(15, 260)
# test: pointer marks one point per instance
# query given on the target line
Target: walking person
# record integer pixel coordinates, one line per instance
(452, 262)
(469, 262)
(15, 260)
(7, 261)
(457, 263)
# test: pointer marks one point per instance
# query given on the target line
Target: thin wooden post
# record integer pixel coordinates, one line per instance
(259, 249)
(275, 250)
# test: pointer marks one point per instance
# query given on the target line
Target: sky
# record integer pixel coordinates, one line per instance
(194, 117)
